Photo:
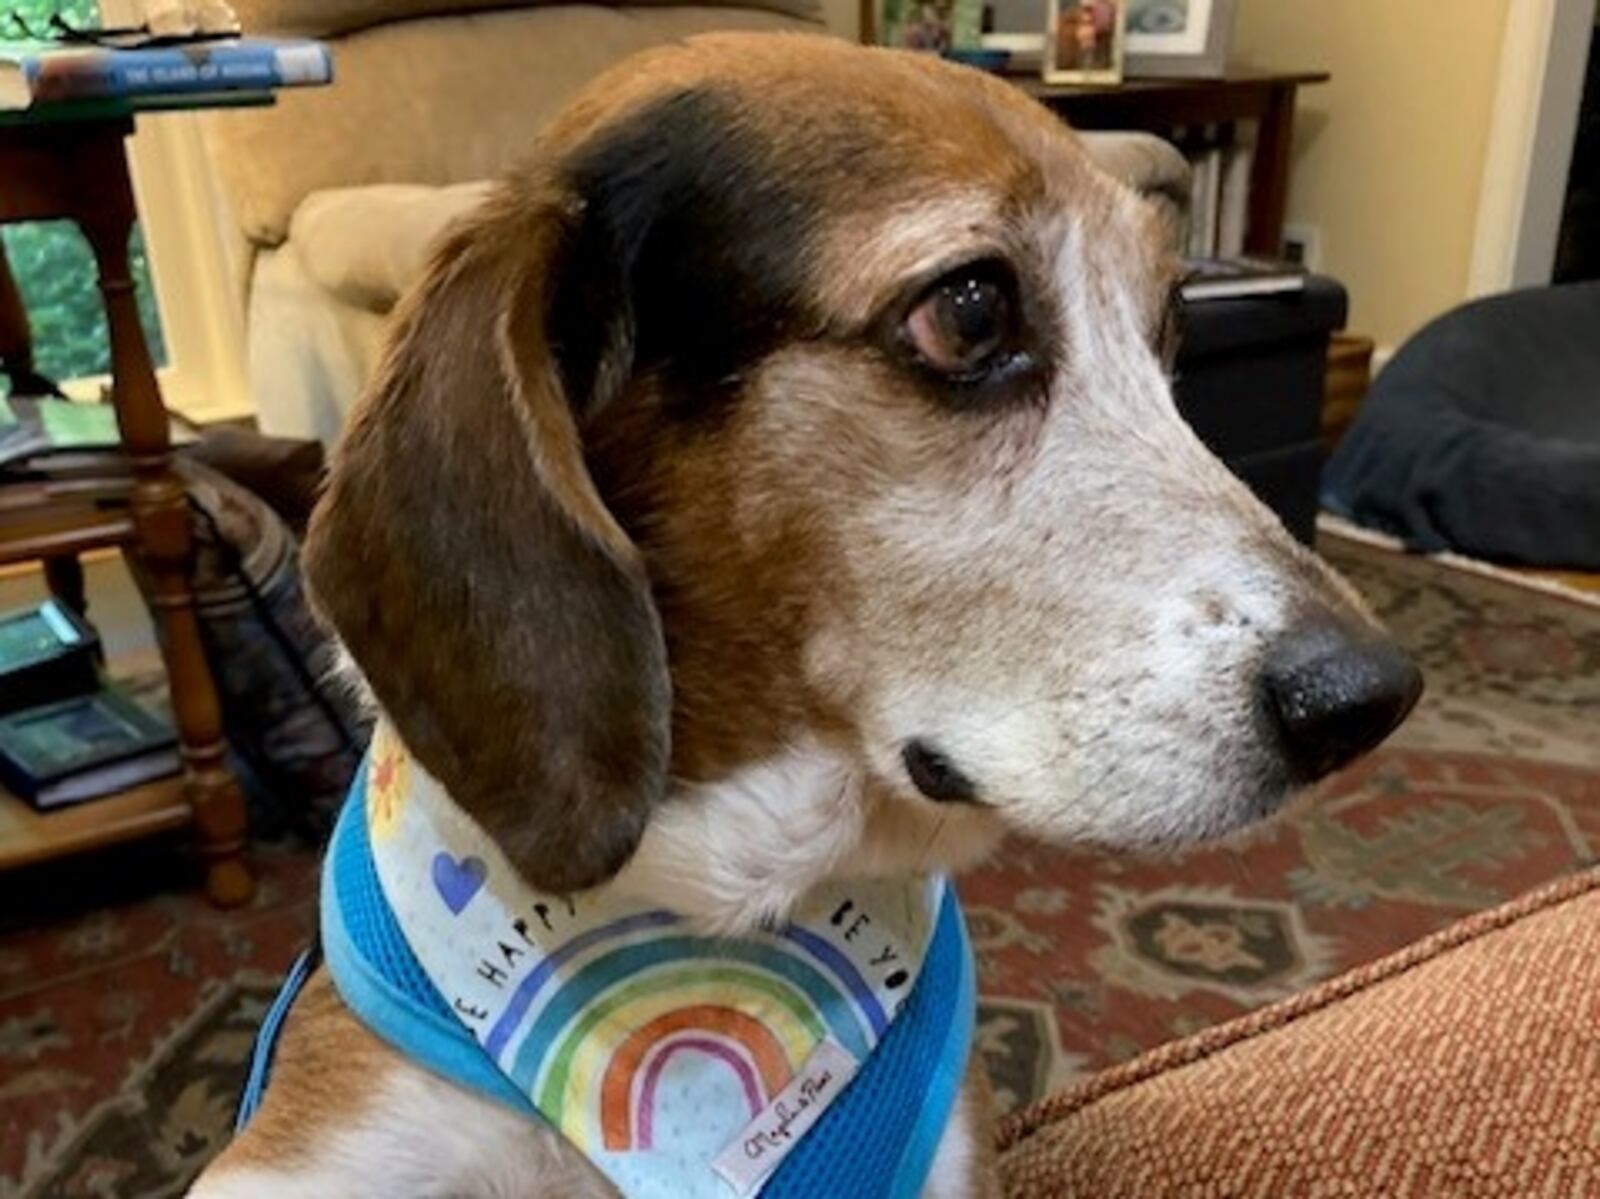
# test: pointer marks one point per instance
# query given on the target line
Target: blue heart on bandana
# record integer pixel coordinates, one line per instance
(457, 882)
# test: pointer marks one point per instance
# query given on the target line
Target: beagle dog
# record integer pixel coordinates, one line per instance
(778, 482)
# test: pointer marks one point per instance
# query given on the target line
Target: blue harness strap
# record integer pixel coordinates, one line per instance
(380, 979)
(255, 1083)
(880, 1136)
(877, 1139)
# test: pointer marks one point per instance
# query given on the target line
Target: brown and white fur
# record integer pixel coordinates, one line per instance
(659, 545)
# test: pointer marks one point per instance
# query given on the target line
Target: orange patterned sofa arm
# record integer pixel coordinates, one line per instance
(1468, 1064)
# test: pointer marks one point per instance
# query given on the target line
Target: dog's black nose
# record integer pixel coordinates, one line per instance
(1335, 694)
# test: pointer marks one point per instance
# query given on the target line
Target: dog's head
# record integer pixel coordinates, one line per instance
(807, 399)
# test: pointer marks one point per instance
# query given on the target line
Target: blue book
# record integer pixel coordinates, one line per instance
(84, 747)
(43, 73)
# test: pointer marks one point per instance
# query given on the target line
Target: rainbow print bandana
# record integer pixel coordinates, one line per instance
(681, 1065)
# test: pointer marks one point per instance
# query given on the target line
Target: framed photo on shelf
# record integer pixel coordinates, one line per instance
(936, 25)
(1083, 41)
(1179, 39)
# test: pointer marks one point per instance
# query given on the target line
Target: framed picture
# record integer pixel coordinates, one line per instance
(1083, 41)
(1182, 39)
(936, 25)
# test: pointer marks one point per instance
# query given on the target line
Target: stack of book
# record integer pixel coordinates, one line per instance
(1236, 278)
(1220, 159)
(66, 736)
(35, 73)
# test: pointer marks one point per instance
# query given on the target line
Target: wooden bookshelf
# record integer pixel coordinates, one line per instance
(1158, 106)
(28, 837)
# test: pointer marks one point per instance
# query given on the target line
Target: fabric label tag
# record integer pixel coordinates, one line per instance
(757, 1151)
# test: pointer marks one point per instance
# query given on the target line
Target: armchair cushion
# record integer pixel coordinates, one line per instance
(329, 18)
(366, 244)
(437, 101)
(1148, 164)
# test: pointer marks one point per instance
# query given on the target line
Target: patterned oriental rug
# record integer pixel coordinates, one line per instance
(126, 1016)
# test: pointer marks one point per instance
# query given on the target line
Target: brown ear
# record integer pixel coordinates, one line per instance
(502, 618)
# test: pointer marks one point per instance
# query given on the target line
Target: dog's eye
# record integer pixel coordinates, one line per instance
(964, 323)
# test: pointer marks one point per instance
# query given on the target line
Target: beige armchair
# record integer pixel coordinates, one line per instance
(337, 192)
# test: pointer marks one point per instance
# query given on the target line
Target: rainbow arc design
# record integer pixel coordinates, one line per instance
(598, 1045)
(725, 1035)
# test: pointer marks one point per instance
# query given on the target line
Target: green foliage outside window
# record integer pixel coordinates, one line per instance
(52, 263)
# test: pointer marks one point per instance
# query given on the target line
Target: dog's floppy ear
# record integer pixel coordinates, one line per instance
(500, 615)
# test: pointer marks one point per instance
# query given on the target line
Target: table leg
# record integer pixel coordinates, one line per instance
(64, 576)
(161, 516)
(16, 340)
(1269, 174)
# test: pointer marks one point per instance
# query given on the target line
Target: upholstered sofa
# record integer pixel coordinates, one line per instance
(1465, 1066)
(336, 193)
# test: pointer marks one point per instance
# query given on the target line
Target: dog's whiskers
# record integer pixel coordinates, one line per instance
(1037, 701)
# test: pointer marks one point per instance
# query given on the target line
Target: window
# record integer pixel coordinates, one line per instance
(187, 297)
(55, 271)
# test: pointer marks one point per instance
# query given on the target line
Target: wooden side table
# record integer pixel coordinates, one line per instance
(69, 161)
(1160, 105)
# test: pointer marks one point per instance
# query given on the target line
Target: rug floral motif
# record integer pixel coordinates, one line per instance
(126, 1015)
(126, 1018)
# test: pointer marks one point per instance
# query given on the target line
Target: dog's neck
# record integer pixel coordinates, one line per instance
(748, 848)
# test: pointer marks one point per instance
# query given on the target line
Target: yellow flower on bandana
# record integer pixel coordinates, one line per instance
(388, 781)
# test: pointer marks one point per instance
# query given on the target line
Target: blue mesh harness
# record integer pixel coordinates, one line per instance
(878, 1138)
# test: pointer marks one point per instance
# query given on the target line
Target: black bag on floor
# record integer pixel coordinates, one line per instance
(295, 732)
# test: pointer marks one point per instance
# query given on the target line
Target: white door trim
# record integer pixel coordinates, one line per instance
(1543, 54)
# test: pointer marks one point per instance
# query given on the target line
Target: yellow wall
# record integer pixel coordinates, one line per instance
(1389, 154)
(843, 16)
(1388, 157)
